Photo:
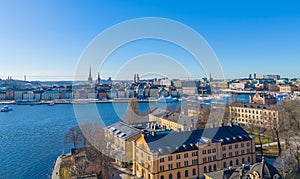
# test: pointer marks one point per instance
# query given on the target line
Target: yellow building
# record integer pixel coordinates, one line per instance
(190, 154)
(254, 114)
(119, 137)
(173, 120)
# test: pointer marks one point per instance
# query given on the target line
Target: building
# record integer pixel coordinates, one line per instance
(254, 114)
(119, 137)
(172, 120)
(50, 95)
(285, 89)
(191, 154)
(261, 170)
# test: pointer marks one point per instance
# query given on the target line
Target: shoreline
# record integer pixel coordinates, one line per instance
(83, 101)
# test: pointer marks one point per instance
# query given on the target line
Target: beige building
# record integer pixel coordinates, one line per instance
(119, 137)
(172, 120)
(191, 154)
(254, 114)
(285, 89)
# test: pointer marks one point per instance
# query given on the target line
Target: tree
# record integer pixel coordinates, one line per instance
(132, 114)
(73, 136)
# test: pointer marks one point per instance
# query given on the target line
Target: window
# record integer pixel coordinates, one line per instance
(224, 165)
(236, 153)
(178, 164)
(237, 162)
(161, 168)
(170, 176)
(186, 155)
(195, 162)
(178, 156)
(224, 155)
(230, 163)
(248, 150)
(161, 160)
(209, 151)
(230, 147)
(204, 159)
(230, 154)
(204, 152)
(186, 173)
(223, 148)
(209, 158)
(249, 160)
(209, 168)
(178, 175)
(186, 163)
(243, 160)
(236, 146)
(162, 177)
(248, 143)
(170, 166)
(194, 171)
(205, 169)
(243, 151)
(214, 158)
(214, 150)
(242, 144)
(170, 158)
(215, 167)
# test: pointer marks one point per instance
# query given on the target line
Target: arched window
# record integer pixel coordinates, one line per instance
(205, 169)
(215, 167)
(162, 177)
(237, 162)
(230, 163)
(148, 176)
(186, 173)
(224, 165)
(194, 171)
(178, 175)
(243, 161)
(249, 160)
(209, 168)
(170, 176)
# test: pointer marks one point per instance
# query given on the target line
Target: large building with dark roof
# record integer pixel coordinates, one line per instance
(191, 154)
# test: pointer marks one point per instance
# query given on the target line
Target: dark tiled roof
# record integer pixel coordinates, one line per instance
(224, 174)
(188, 140)
(248, 105)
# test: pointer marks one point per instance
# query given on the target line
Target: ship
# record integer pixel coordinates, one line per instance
(168, 99)
(6, 108)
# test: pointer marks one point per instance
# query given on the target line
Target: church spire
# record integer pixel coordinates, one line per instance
(90, 80)
(99, 79)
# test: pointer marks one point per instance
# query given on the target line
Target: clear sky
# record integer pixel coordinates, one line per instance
(44, 39)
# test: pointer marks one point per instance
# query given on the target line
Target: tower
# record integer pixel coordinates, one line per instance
(90, 80)
(98, 79)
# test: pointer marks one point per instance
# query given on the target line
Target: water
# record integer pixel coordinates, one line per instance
(31, 137)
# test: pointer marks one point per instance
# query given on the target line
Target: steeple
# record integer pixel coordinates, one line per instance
(90, 80)
(98, 79)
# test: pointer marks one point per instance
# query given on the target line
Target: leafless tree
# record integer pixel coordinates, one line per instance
(73, 136)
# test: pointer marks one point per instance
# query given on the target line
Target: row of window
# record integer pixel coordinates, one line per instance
(254, 111)
(214, 150)
(178, 156)
(179, 175)
(178, 165)
(235, 146)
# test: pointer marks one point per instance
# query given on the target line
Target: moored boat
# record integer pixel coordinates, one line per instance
(6, 108)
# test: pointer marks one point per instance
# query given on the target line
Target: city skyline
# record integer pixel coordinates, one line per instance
(44, 40)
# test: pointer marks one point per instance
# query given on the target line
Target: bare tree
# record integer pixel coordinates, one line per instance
(73, 136)
(132, 114)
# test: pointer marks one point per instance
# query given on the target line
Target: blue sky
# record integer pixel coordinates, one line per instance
(44, 39)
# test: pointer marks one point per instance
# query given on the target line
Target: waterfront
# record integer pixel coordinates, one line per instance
(32, 136)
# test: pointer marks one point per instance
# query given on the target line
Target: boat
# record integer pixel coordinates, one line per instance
(25, 102)
(6, 108)
(51, 103)
(168, 99)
